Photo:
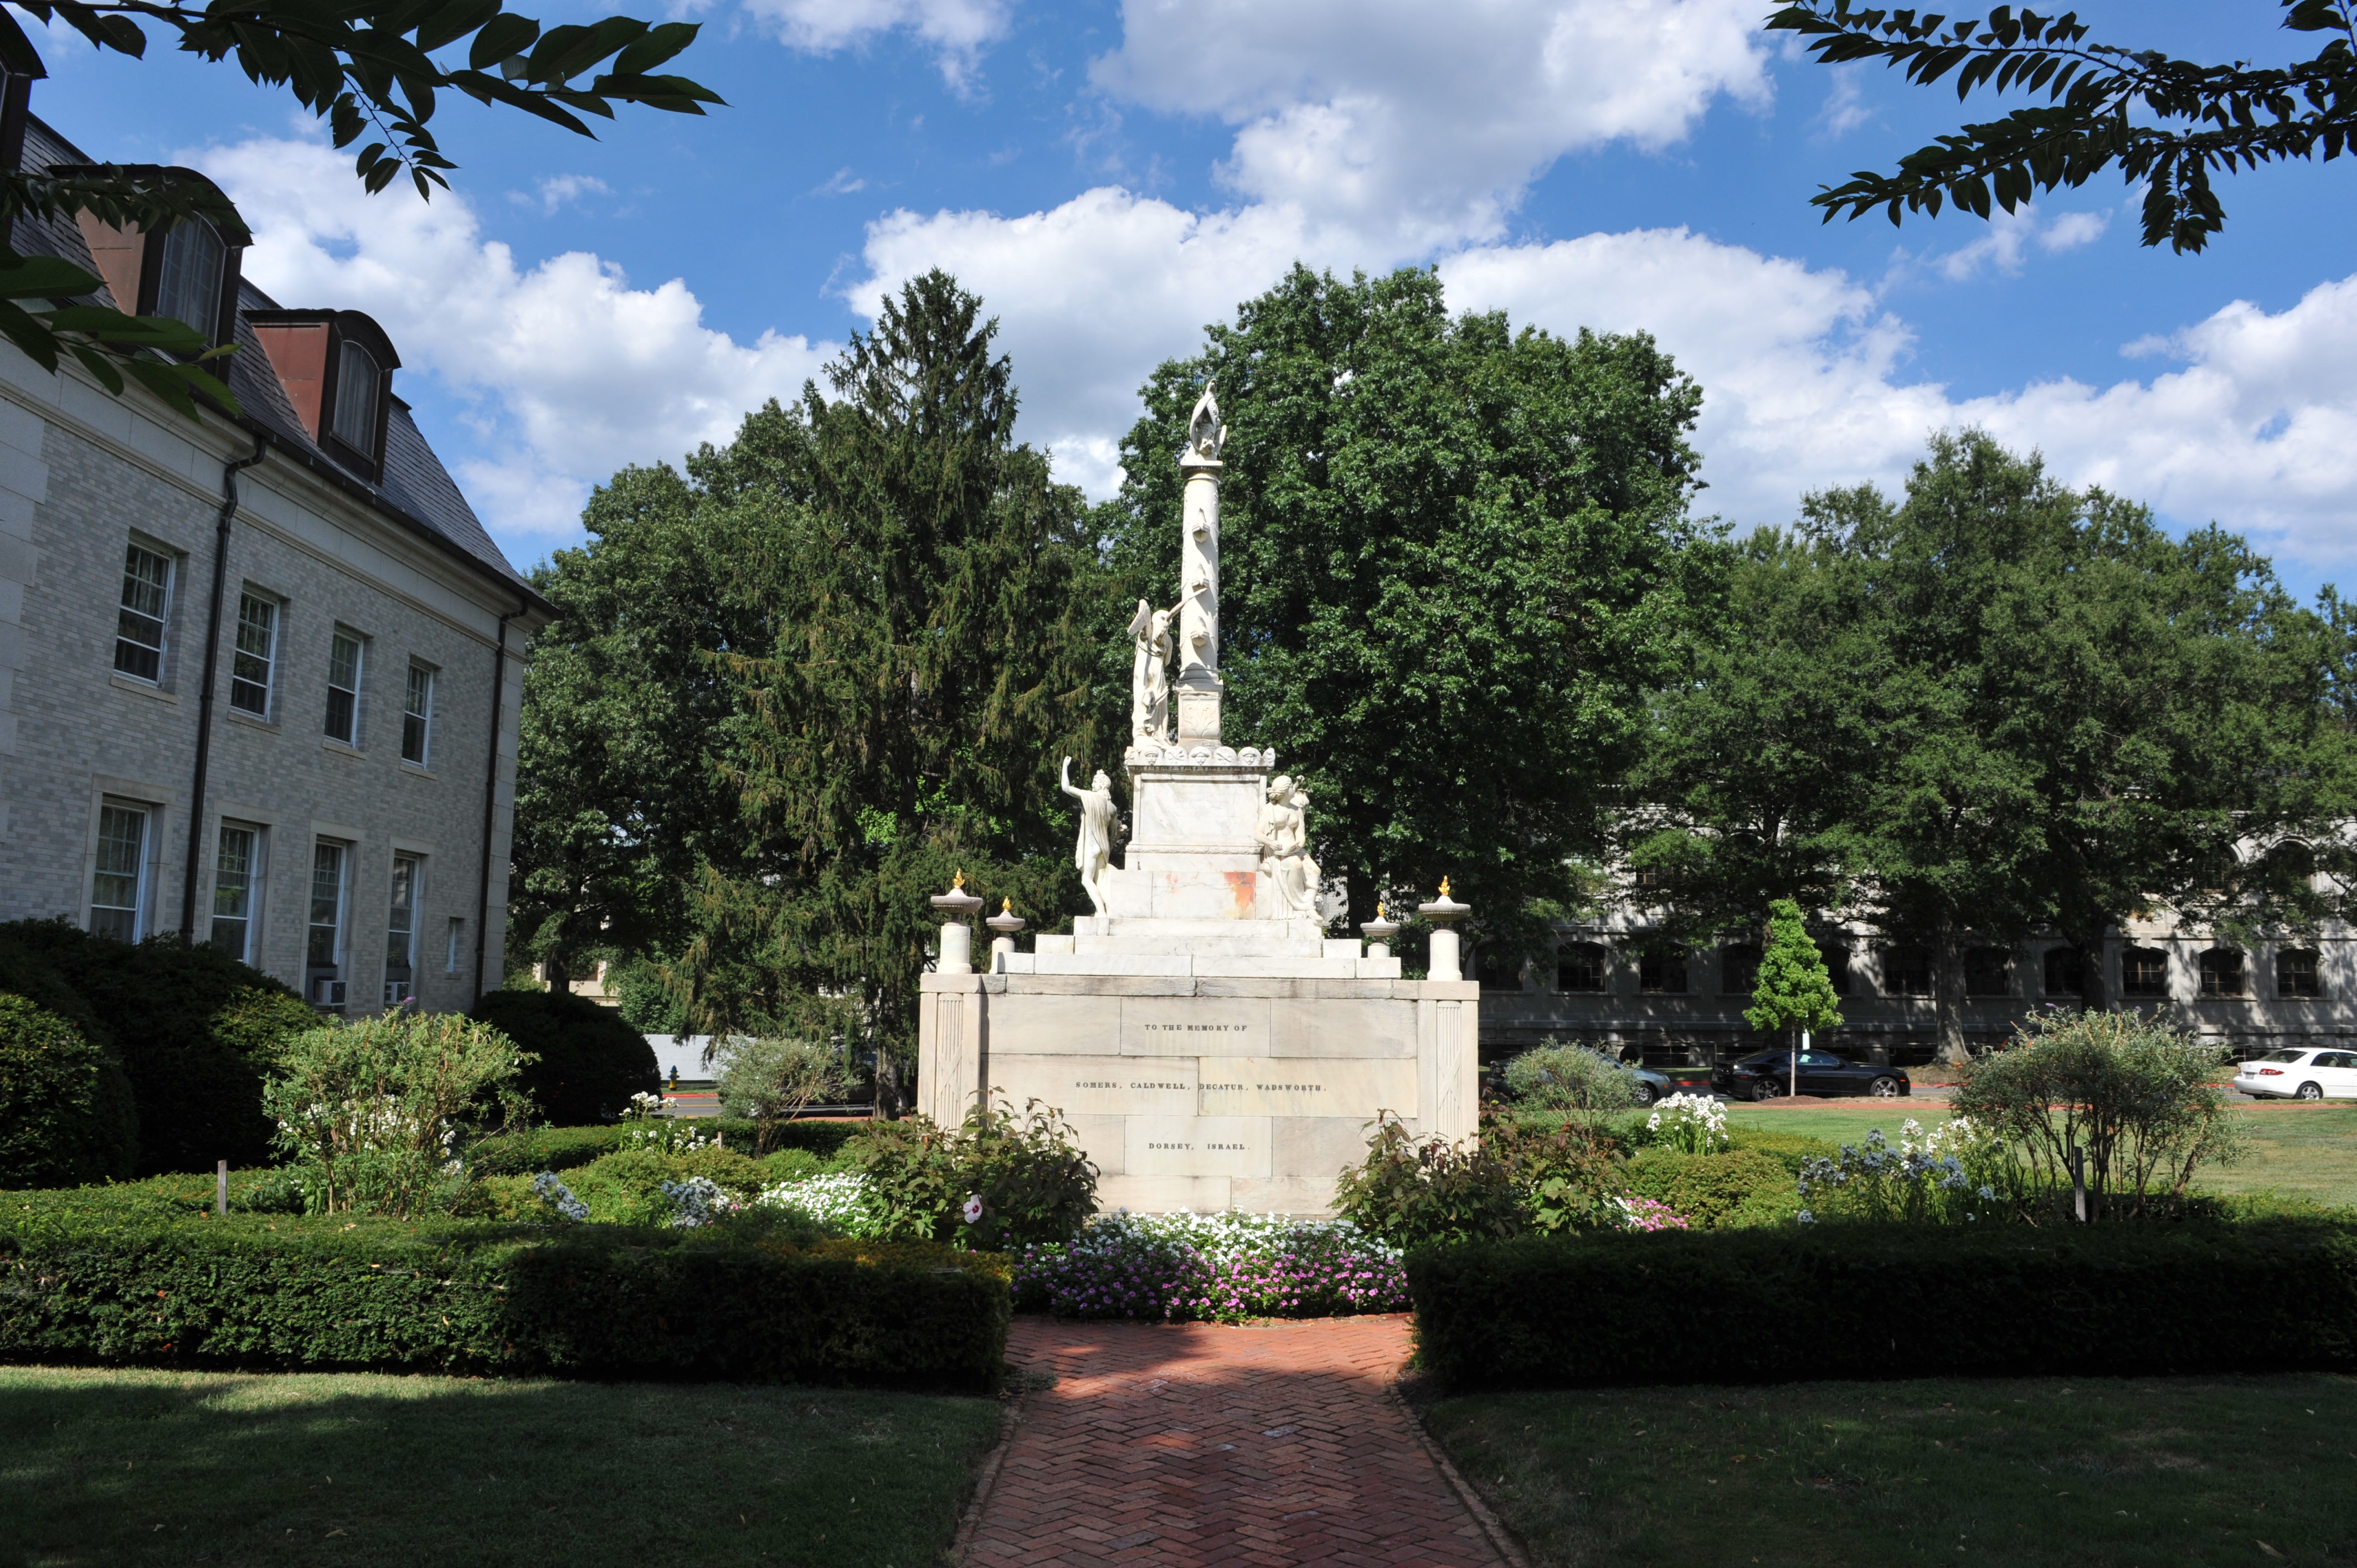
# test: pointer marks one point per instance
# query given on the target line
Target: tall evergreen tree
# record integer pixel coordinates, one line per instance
(930, 657)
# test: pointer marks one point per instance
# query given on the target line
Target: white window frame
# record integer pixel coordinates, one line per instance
(422, 714)
(406, 954)
(134, 546)
(334, 972)
(351, 735)
(257, 878)
(239, 659)
(142, 874)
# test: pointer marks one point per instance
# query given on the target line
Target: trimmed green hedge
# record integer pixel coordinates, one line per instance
(501, 1300)
(567, 1148)
(1889, 1300)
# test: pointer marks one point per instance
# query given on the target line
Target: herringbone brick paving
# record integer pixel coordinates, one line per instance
(1170, 1446)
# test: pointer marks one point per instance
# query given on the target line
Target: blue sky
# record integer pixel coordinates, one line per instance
(1110, 176)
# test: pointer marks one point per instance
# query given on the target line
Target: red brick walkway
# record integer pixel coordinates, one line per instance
(1196, 1444)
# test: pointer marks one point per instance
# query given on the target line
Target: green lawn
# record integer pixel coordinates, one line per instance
(2299, 1151)
(2088, 1473)
(155, 1467)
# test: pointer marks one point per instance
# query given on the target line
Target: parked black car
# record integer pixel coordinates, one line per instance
(1764, 1075)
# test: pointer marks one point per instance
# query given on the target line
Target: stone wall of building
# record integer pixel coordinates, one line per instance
(1525, 1005)
(82, 474)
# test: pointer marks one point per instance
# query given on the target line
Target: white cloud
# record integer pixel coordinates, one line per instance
(1418, 124)
(1804, 387)
(558, 189)
(1805, 372)
(958, 30)
(574, 371)
(1090, 296)
(2010, 235)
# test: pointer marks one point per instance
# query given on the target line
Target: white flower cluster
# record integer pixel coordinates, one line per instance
(698, 1200)
(546, 1188)
(645, 1107)
(1696, 1123)
(842, 1201)
(1227, 1238)
(669, 1138)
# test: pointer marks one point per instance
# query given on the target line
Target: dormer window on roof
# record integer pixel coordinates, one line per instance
(188, 279)
(336, 368)
(189, 271)
(356, 398)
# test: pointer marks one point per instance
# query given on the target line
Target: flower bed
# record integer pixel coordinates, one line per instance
(1220, 1268)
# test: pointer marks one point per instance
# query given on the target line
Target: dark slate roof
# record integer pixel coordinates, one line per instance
(415, 490)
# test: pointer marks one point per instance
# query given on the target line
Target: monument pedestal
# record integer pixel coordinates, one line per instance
(1211, 1049)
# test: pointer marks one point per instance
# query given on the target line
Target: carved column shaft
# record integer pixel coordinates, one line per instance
(1195, 695)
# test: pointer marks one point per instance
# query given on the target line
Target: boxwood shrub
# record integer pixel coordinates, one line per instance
(1889, 1300)
(194, 1029)
(80, 1285)
(66, 1109)
(590, 1061)
(1733, 1187)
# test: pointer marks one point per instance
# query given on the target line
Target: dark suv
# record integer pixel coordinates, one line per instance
(1764, 1075)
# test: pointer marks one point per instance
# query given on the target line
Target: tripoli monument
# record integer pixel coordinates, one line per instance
(1211, 1046)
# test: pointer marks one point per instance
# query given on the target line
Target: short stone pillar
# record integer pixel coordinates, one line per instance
(1444, 912)
(1379, 932)
(957, 937)
(1007, 922)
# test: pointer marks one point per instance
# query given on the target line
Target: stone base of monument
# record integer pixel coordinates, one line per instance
(1212, 1048)
(1212, 1089)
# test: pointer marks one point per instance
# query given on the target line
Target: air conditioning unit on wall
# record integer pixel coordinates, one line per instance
(397, 992)
(327, 992)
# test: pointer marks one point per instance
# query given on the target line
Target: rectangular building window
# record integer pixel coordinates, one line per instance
(401, 930)
(2296, 973)
(417, 714)
(256, 652)
(324, 945)
(1738, 969)
(452, 946)
(118, 887)
(344, 687)
(1906, 972)
(237, 871)
(1989, 972)
(139, 624)
(1581, 966)
(1662, 972)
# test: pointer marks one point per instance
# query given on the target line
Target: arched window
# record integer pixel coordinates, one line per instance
(188, 278)
(2292, 864)
(1906, 972)
(2296, 972)
(356, 378)
(1738, 969)
(1581, 966)
(2222, 972)
(2143, 972)
(1989, 972)
(2066, 972)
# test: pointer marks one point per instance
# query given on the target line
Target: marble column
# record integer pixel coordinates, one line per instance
(1195, 695)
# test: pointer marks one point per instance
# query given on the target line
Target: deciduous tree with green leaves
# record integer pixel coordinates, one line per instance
(1793, 991)
(372, 70)
(1455, 560)
(2168, 125)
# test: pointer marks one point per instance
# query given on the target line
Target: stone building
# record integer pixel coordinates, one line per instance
(1616, 984)
(259, 674)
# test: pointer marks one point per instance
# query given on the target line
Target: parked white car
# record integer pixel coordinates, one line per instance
(2300, 1075)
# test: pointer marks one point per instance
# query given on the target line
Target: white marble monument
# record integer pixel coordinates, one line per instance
(1212, 1047)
